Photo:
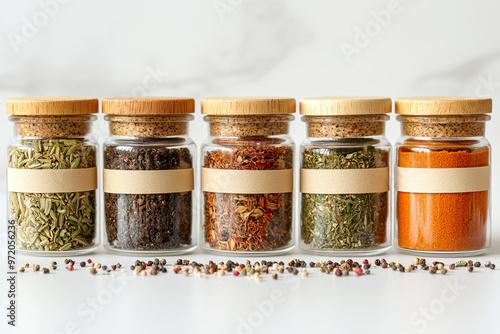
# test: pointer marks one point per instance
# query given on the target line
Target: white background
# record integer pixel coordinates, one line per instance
(251, 48)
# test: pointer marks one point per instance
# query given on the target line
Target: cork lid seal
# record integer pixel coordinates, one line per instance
(51, 106)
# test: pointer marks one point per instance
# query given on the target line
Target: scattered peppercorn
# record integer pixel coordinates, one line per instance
(83, 264)
(452, 266)
(93, 271)
(26, 265)
(89, 261)
(45, 270)
(69, 267)
(275, 276)
(487, 264)
(304, 273)
(402, 269)
(477, 264)
(470, 268)
(36, 267)
(104, 267)
(98, 265)
(66, 261)
(358, 271)
(408, 269)
(492, 266)
(367, 271)
(416, 261)
(470, 263)
(236, 272)
(377, 262)
(338, 272)
(21, 269)
(312, 264)
(461, 263)
(444, 271)
(422, 262)
(384, 265)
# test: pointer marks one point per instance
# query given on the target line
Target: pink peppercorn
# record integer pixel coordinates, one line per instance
(176, 270)
(89, 261)
(358, 271)
(365, 261)
(70, 267)
(236, 272)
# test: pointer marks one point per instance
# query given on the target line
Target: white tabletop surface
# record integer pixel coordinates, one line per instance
(385, 301)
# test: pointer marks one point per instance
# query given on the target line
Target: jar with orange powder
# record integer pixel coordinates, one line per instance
(443, 176)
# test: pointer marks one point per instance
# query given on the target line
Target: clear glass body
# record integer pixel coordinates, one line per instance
(451, 223)
(150, 224)
(54, 224)
(345, 224)
(242, 223)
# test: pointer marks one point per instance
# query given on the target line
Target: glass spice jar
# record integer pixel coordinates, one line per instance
(148, 175)
(344, 176)
(443, 176)
(247, 175)
(52, 175)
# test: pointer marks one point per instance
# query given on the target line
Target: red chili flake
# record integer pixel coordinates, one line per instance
(176, 270)
(365, 261)
(248, 222)
(89, 261)
(145, 265)
(70, 267)
(236, 272)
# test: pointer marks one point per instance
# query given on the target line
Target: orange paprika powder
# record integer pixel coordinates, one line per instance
(447, 221)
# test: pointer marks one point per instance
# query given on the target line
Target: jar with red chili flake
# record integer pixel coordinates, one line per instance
(247, 175)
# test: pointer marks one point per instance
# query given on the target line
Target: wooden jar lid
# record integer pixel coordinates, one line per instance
(345, 106)
(248, 106)
(131, 106)
(47, 106)
(443, 105)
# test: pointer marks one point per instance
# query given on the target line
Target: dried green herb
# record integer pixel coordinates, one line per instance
(48, 221)
(345, 221)
(249, 222)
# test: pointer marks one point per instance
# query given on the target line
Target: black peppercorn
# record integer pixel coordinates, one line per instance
(477, 264)
(492, 266)
(377, 262)
(470, 268)
(83, 264)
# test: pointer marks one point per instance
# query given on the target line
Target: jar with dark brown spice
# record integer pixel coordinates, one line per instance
(148, 177)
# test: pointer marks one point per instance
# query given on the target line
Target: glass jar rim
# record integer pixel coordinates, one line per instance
(249, 118)
(149, 118)
(345, 118)
(51, 119)
(469, 118)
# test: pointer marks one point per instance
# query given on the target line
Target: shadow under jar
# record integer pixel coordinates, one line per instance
(345, 183)
(443, 176)
(148, 175)
(52, 175)
(247, 176)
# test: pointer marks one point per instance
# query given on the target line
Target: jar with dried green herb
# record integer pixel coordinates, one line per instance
(344, 176)
(148, 175)
(52, 175)
(247, 175)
